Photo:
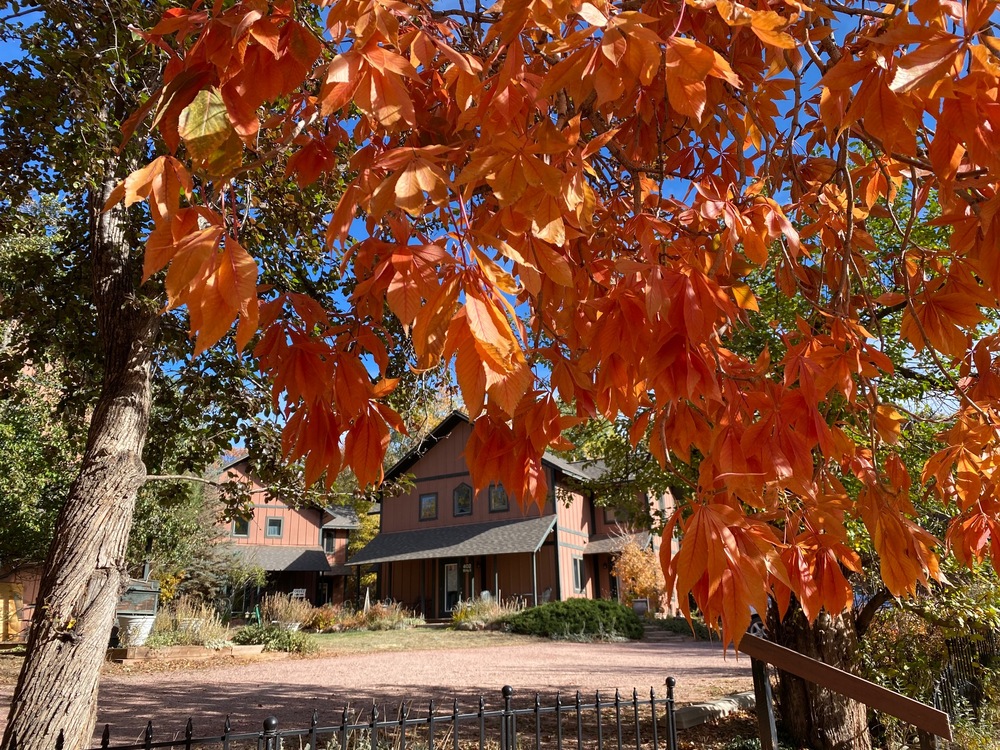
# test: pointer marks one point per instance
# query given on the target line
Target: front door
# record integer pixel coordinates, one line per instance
(452, 588)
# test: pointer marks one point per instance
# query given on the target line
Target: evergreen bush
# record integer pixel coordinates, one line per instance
(585, 619)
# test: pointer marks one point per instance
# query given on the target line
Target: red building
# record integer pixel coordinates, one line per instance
(441, 542)
(303, 550)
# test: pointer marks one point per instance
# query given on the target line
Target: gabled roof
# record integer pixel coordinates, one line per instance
(340, 517)
(471, 539)
(441, 431)
(582, 471)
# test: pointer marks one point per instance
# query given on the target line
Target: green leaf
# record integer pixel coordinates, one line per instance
(204, 125)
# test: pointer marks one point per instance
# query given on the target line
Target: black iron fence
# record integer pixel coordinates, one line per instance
(603, 723)
(959, 690)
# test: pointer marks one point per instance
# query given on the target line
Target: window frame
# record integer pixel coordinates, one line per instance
(421, 516)
(579, 575)
(610, 516)
(498, 490)
(328, 540)
(454, 500)
(281, 527)
(240, 535)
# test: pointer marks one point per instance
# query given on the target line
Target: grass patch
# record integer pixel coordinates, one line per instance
(423, 638)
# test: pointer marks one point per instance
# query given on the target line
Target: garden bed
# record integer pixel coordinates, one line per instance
(186, 653)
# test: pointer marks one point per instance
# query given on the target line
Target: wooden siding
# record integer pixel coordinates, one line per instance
(441, 471)
(339, 554)
(299, 527)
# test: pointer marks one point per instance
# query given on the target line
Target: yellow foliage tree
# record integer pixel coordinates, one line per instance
(639, 577)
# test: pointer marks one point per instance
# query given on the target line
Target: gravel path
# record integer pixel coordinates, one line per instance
(292, 688)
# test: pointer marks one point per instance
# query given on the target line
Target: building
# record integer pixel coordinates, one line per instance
(441, 542)
(303, 550)
(18, 592)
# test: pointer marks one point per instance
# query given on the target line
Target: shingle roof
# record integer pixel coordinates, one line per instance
(340, 517)
(275, 558)
(502, 538)
(614, 543)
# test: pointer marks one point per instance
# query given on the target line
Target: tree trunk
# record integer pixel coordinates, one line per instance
(810, 714)
(55, 702)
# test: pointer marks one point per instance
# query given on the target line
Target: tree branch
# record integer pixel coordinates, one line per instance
(181, 478)
(864, 618)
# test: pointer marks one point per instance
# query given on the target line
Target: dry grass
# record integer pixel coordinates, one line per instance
(187, 622)
(433, 638)
(285, 609)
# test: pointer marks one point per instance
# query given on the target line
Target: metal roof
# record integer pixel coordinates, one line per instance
(500, 538)
(275, 558)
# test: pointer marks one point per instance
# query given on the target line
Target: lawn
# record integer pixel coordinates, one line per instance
(425, 638)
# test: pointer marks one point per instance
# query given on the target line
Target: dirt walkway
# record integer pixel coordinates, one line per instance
(292, 688)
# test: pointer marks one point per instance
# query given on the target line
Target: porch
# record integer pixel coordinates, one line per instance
(431, 570)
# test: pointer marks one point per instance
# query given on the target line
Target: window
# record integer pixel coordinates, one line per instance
(329, 541)
(498, 499)
(610, 515)
(273, 528)
(241, 527)
(428, 506)
(463, 500)
(578, 575)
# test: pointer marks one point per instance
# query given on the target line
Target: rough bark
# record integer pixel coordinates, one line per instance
(810, 714)
(55, 702)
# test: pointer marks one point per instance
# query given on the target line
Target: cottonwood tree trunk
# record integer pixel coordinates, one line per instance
(55, 702)
(813, 715)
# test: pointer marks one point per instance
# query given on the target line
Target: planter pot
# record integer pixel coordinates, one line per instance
(133, 630)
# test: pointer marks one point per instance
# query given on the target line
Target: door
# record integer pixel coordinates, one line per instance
(452, 588)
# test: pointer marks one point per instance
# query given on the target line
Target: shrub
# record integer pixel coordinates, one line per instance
(381, 616)
(275, 638)
(188, 622)
(481, 614)
(578, 618)
(682, 626)
(285, 609)
(327, 618)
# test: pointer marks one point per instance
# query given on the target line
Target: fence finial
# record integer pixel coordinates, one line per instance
(106, 736)
(271, 724)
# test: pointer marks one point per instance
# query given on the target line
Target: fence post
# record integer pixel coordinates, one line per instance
(671, 718)
(765, 705)
(271, 740)
(507, 740)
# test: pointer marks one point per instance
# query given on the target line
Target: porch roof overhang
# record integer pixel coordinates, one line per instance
(467, 540)
(273, 558)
